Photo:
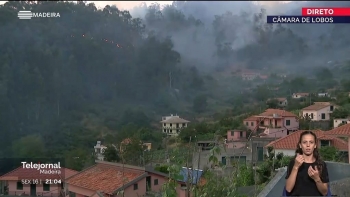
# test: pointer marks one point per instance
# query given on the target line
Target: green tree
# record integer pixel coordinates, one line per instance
(329, 153)
(341, 112)
(111, 154)
(272, 103)
(78, 159)
(133, 152)
(31, 146)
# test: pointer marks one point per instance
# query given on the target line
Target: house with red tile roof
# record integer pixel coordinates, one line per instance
(108, 179)
(114, 179)
(273, 123)
(319, 111)
(186, 176)
(342, 131)
(236, 139)
(34, 182)
(288, 144)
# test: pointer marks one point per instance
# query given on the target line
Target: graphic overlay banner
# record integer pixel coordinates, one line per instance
(25, 14)
(29, 171)
(308, 19)
(315, 16)
(325, 11)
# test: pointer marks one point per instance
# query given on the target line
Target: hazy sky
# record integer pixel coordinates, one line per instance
(124, 5)
(127, 5)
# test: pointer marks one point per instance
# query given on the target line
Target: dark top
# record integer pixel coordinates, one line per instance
(304, 184)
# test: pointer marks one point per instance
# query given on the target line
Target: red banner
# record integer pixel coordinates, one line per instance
(325, 11)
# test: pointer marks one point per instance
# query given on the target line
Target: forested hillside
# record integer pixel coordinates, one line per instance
(90, 74)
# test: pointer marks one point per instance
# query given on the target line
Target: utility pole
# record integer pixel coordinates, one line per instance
(170, 79)
(273, 158)
(188, 184)
(199, 158)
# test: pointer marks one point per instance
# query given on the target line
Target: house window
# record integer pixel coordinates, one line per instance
(183, 124)
(171, 125)
(287, 122)
(155, 181)
(164, 130)
(307, 115)
(72, 194)
(252, 123)
(331, 108)
(136, 186)
(164, 124)
(312, 115)
(19, 185)
(325, 143)
(46, 187)
(177, 125)
(241, 134)
(246, 123)
(323, 116)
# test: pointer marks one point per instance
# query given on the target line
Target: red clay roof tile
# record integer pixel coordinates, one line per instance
(283, 113)
(290, 141)
(251, 118)
(106, 178)
(343, 130)
(270, 112)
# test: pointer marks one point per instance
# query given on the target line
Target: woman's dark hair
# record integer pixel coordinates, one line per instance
(316, 154)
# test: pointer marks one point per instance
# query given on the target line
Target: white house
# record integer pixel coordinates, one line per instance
(172, 125)
(338, 121)
(300, 95)
(319, 111)
(99, 150)
(323, 95)
(282, 102)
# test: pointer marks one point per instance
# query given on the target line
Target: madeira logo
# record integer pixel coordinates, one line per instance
(30, 14)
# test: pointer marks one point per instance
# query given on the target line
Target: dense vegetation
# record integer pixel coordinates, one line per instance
(103, 75)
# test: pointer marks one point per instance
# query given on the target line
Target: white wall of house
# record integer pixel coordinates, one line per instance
(338, 121)
(283, 103)
(298, 96)
(285, 152)
(173, 128)
(317, 114)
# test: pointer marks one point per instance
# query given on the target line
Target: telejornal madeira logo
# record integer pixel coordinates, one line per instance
(30, 14)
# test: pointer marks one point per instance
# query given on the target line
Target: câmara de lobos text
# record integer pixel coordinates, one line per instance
(303, 19)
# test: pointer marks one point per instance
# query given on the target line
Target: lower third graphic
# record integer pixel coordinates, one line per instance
(25, 14)
(30, 14)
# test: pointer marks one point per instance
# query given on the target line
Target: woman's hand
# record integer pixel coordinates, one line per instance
(299, 160)
(314, 173)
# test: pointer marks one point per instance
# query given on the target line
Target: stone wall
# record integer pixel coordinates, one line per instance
(341, 188)
(339, 174)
